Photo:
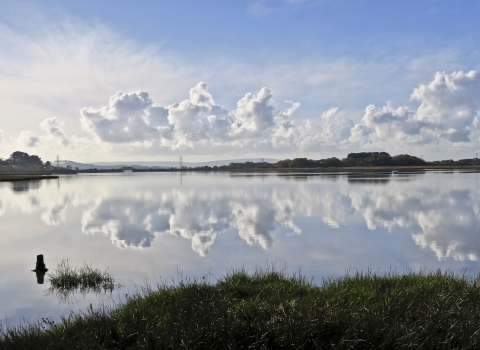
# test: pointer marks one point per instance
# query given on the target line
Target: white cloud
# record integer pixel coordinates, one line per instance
(129, 117)
(448, 113)
(46, 76)
(196, 121)
(28, 139)
(54, 128)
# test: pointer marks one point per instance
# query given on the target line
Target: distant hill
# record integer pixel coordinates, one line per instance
(158, 164)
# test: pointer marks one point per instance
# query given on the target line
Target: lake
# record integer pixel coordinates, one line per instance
(148, 226)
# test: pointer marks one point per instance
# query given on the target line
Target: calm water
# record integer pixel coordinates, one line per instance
(147, 226)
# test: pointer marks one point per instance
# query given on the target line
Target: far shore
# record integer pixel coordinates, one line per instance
(358, 169)
(297, 170)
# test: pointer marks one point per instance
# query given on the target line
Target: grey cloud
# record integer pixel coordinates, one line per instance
(28, 138)
(459, 136)
(54, 128)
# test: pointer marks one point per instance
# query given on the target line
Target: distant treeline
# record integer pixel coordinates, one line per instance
(21, 161)
(353, 160)
(361, 159)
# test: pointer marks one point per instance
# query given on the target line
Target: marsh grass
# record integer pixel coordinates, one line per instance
(270, 309)
(66, 281)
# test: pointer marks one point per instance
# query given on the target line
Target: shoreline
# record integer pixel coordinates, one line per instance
(296, 170)
(24, 177)
(273, 310)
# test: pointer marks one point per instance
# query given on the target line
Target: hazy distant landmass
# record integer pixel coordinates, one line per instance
(163, 164)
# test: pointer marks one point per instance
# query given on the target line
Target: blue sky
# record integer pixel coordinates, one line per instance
(323, 63)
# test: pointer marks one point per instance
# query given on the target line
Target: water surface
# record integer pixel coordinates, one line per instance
(144, 226)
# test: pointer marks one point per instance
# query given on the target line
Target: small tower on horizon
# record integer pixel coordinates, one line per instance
(181, 162)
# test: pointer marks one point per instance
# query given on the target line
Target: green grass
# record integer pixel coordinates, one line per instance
(66, 281)
(272, 310)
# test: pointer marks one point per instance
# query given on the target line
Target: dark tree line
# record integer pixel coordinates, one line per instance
(352, 160)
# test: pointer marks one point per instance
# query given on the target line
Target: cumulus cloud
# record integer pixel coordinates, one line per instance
(448, 112)
(60, 67)
(133, 117)
(129, 117)
(28, 138)
(54, 128)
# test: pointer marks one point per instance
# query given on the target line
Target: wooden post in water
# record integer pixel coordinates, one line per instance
(40, 266)
(40, 269)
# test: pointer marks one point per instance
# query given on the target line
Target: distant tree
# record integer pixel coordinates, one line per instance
(22, 158)
(19, 157)
(300, 163)
(361, 155)
(35, 161)
(406, 160)
(283, 163)
(331, 162)
(69, 167)
(48, 165)
(367, 159)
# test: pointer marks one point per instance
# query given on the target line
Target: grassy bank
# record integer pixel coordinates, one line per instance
(271, 310)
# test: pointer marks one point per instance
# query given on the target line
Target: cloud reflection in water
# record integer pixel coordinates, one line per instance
(441, 212)
(197, 215)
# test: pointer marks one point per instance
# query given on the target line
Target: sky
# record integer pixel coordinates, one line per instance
(95, 81)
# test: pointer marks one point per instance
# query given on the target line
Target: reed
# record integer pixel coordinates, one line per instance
(66, 281)
(270, 309)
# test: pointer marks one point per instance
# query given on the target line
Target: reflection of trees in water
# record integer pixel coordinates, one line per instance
(375, 181)
(24, 186)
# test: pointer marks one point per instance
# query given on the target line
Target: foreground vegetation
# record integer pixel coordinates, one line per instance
(272, 310)
(66, 281)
